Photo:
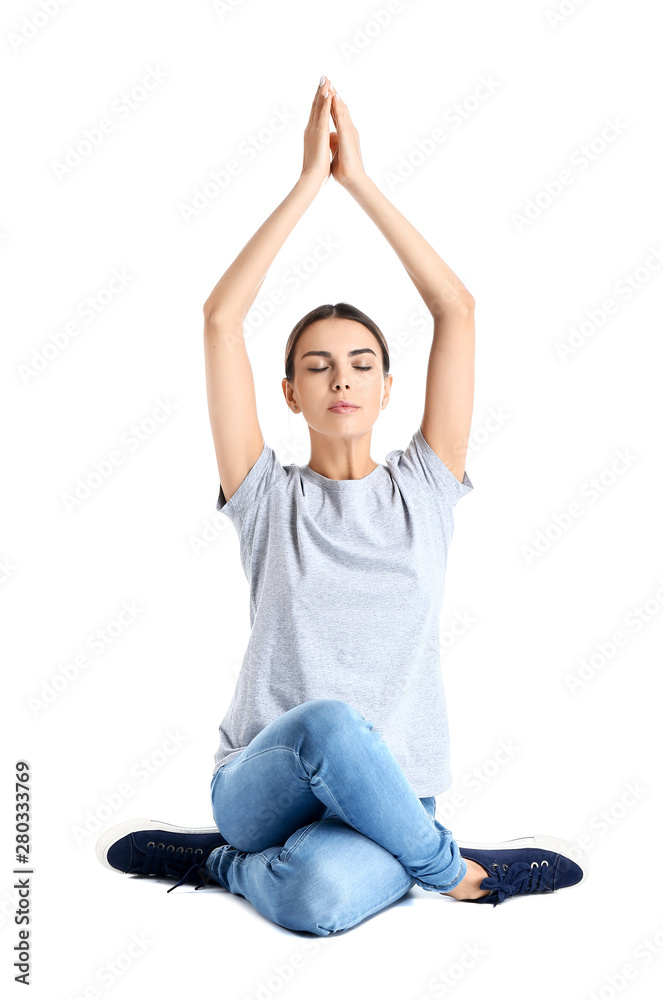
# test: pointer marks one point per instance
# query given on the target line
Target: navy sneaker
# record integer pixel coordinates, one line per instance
(526, 865)
(150, 847)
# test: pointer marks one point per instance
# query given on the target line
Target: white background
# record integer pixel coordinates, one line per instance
(150, 534)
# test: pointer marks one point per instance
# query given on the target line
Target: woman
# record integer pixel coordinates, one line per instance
(335, 743)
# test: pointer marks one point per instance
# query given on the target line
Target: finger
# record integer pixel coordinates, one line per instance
(339, 104)
(324, 106)
(341, 115)
(315, 105)
(337, 117)
(327, 90)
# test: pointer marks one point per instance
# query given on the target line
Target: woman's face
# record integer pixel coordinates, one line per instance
(338, 359)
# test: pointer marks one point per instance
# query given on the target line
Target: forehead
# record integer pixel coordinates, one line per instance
(335, 334)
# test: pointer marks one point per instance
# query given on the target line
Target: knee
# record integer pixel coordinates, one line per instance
(315, 904)
(328, 902)
(329, 716)
(328, 725)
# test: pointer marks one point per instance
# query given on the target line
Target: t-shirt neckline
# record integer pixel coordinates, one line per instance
(341, 484)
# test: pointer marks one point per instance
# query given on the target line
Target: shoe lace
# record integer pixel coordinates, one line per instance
(166, 859)
(511, 880)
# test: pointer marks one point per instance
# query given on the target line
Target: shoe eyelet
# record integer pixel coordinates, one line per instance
(162, 846)
(545, 863)
(171, 847)
(534, 864)
(494, 866)
(505, 867)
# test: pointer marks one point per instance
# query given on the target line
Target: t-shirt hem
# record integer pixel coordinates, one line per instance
(455, 485)
(238, 503)
(226, 759)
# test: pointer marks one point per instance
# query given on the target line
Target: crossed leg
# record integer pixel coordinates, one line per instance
(323, 827)
(327, 877)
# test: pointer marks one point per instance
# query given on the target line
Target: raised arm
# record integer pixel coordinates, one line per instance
(450, 379)
(231, 398)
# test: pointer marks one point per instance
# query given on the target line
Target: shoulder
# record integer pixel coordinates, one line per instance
(422, 468)
(266, 473)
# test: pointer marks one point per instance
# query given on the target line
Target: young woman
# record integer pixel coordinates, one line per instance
(335, 743)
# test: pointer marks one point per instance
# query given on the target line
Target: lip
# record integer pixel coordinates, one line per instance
(343, 407)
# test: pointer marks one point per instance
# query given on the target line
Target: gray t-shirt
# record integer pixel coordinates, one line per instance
(346, 586)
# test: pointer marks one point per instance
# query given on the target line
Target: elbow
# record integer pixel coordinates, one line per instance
(222, 312)
(214, 317)
(208, 311)
(456, 301)
(464, 302)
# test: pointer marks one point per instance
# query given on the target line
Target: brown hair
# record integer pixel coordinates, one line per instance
(343, 310)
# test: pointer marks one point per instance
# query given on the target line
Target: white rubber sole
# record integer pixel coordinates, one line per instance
(115, 833)
(544, 842)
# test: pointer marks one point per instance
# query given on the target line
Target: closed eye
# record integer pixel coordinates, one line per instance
(358, 368)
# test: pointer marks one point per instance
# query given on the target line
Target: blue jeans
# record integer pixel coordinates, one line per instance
(322, 826)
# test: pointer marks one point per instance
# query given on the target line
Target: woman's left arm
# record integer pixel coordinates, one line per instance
(450, 379)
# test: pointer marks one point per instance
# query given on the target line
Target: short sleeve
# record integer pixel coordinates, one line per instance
(261, 477)
(420, 464)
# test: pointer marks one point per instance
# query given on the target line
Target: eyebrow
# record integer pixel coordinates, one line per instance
(327, 354)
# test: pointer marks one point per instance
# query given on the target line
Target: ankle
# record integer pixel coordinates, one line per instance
(468, 888)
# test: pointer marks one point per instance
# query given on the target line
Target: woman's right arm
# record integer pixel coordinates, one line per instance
(231, 398)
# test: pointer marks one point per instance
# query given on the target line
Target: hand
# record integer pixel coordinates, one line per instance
(316, 135)
(346, 165)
